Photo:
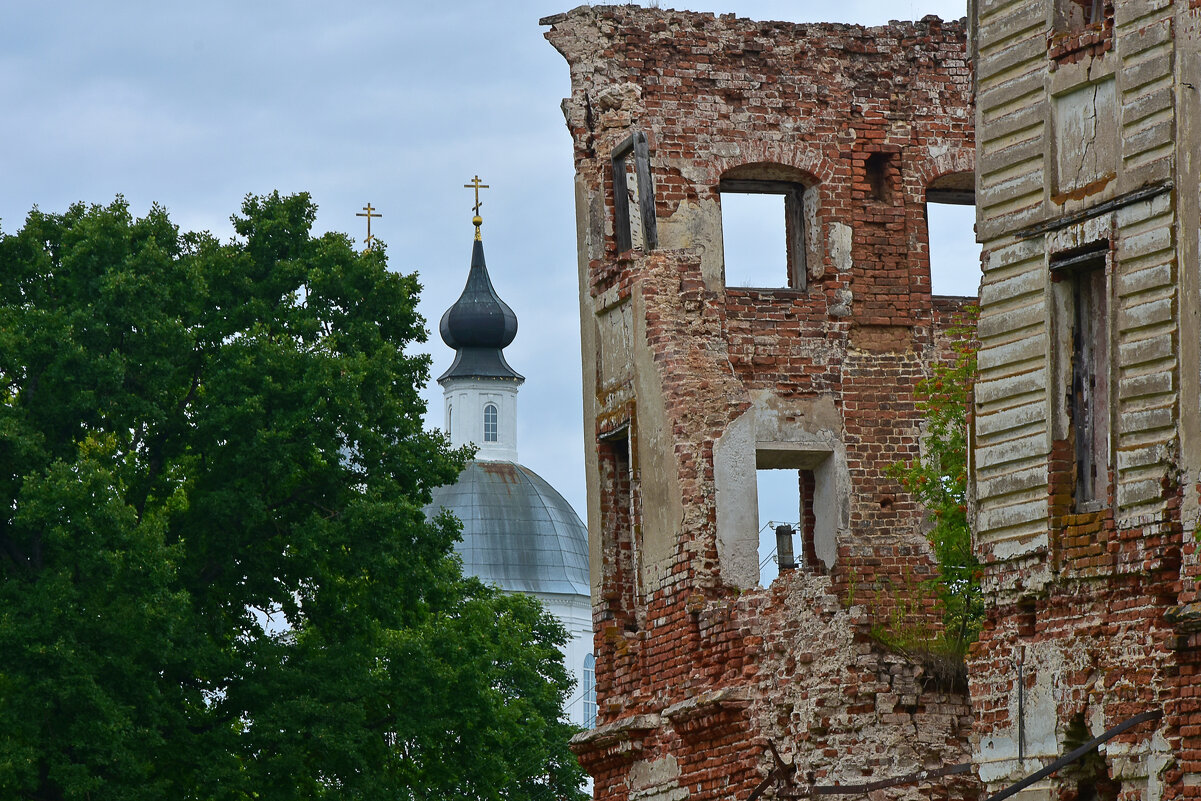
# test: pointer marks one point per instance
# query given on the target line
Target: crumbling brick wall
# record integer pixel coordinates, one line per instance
(691, 384)
(1087, 404)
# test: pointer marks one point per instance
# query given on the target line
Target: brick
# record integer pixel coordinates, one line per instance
(860, 117)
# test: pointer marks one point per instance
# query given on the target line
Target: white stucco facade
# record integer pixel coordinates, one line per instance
(465, 403)
(575, 613)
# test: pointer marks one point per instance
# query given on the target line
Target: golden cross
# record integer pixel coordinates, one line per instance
(370, 213)
(475, 184)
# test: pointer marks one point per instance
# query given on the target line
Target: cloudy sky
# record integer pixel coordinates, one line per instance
(194, 105)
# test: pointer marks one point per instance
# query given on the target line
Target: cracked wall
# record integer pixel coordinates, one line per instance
(691, 384)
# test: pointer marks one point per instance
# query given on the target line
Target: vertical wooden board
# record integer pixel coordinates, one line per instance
(794, 230)
(646, 192)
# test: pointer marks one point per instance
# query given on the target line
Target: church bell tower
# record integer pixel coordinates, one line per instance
(480, 388)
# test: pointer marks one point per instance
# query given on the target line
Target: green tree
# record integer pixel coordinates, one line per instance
(216, 577)
(938, 479)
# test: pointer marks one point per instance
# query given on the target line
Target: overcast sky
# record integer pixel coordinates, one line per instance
(194, 105)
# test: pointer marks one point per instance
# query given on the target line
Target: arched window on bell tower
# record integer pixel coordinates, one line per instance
(490, 417)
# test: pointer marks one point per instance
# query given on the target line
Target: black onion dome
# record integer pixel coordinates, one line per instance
(478, 326)
(479, 318)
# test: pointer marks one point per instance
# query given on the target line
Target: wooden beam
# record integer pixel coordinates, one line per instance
(646, 192)
(794, 233)
(750, 187)
(621, 196)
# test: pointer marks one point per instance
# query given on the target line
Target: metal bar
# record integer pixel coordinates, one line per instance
(1071, 757)
(783, 771)
(763, 785)
(780, 772)
(1022, 711)
(911, 778)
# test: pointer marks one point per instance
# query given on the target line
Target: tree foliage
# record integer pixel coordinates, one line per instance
(938, 480)
(216, 577)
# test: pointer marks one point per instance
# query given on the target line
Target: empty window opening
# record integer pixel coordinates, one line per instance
(880, 176)
(621, 536)
(634, 224)
(779, 497)
(763, 234)
(1080, 27)
(1075, 15)
(589, 692)
(1090, 396)
(1088, 391)
(1088, 776)
(954, 254)
(752, 229)
(633, 220)
(951, 227)
(490, 433)
(450, 419)
(799, 494)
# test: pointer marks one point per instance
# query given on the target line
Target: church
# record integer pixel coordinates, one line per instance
(519, 533)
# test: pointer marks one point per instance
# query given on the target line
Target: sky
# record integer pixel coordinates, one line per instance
(398, 104)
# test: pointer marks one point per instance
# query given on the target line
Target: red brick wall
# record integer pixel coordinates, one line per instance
(694, 686)
(1103, 633)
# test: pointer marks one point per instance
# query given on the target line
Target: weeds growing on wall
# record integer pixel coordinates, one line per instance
(941, 657)
(938, 480)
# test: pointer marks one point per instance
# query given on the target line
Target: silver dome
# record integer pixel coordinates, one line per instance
(518, 532)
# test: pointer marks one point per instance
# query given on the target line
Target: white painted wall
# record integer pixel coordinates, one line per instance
(575, 613)
(464, 400)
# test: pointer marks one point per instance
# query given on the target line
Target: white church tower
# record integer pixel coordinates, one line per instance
(480, 388)
(519, 534)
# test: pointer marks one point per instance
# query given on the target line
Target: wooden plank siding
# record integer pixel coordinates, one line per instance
(1015, 404)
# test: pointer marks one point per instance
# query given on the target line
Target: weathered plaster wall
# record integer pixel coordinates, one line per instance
(690, 385)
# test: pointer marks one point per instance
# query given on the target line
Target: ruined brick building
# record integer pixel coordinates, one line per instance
(1086, 455)
(1086, 418)
(691, 384)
